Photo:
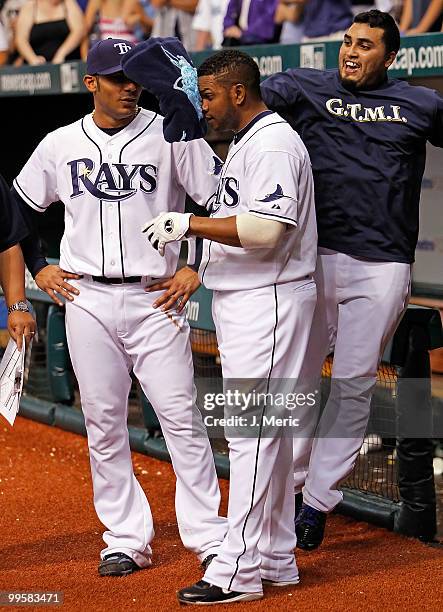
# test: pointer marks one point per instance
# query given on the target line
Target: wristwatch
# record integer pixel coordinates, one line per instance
(22, 306)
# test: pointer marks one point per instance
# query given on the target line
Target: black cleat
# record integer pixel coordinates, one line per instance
(310, 527)
(207, 562)
(204, 594)
(117, 564)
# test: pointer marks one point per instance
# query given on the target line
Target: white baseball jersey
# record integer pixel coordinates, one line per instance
(267, 173)
(111, 186)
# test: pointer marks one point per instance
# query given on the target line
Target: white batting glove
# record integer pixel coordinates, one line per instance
(167, 227)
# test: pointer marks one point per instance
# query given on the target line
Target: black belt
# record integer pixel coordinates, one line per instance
(117, 281)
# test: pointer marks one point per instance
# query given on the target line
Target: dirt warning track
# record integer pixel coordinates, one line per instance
(51, 541)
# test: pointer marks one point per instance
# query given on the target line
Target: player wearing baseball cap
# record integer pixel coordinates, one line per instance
(106, 55)
(112, 169)
(258, 258)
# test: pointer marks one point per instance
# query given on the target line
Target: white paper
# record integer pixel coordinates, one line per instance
(11, 380)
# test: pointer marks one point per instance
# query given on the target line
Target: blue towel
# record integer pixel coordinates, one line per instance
(164, 68)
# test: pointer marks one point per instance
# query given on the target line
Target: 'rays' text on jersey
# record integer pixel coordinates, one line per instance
(227, 193)
(356, 112)
(112, 182)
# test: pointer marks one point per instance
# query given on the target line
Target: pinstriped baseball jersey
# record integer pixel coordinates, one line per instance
(112, 185)
(267, 173)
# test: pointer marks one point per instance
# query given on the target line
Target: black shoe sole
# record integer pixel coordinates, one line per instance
(116, 572)
(239, 597)
(308, 547)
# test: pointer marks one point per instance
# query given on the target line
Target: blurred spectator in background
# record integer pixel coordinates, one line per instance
(393, 7)
(250, 22)
(360, 6)
(110, 19)
(208, 24)
(4, 50)
(8, 16)
(174, 18)
(290, 14)
(420, 16)
(326, 19)
(49, 31)
(144, 19)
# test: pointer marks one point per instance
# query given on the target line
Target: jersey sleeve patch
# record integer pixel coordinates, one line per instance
(277, 194)
(274, 178)
(217, 166)
(277, 202)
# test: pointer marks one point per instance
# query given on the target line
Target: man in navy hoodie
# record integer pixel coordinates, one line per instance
(366, 136)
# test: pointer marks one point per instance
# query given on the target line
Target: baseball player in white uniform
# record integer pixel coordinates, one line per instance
(112, 169)
(258, 258)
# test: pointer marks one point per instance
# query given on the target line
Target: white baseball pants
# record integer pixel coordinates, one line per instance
(112, 329)
(359, 305)
(262, 334)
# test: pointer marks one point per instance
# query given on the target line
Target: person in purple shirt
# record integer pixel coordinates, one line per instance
(326, 18)
(250, 22)
(366, 136)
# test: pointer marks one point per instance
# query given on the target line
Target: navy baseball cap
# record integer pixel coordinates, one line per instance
(106, 55)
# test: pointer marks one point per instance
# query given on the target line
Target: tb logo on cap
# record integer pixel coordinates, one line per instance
(123, 48)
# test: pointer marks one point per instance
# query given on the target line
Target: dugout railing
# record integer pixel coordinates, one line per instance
(392, 484)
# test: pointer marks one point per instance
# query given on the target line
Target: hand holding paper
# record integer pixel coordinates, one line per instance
(11, 380)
